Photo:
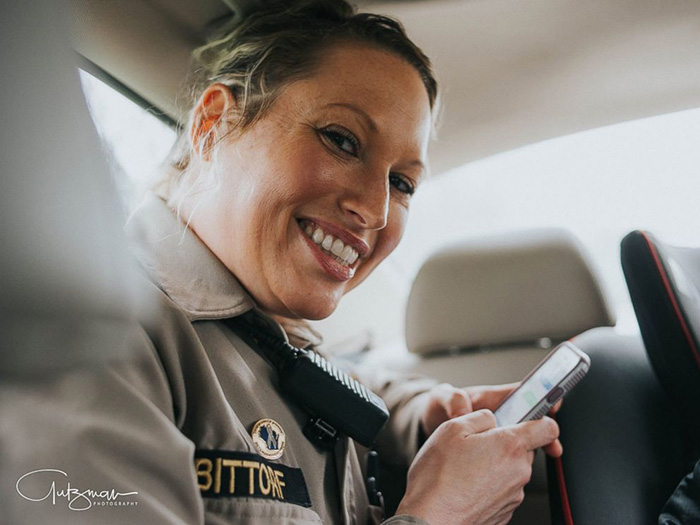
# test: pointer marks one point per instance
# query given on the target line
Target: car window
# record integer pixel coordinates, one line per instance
(136, 141)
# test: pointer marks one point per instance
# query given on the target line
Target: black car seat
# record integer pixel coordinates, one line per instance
(629, 427)
(664, 284)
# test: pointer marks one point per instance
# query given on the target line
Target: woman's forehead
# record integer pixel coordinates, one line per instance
(377, 86)
(369, 73)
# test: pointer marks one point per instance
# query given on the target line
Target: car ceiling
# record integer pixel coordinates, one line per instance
(512, 72)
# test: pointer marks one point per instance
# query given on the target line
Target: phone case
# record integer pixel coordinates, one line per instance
(562, 388)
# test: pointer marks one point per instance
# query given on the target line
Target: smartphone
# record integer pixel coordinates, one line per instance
(558, 373)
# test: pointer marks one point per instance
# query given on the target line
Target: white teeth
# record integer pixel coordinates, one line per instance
(337, 247)
(327, 242)
(346, 254)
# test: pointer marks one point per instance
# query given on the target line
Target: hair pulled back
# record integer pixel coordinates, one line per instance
(282, 43)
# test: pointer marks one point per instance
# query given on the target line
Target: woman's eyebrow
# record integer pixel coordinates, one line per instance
(373, 127)
(419, 164)
(359, 111)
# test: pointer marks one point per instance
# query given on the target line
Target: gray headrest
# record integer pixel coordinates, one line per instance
(513, 288)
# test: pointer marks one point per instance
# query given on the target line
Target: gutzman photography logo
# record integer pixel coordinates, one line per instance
(53, 485)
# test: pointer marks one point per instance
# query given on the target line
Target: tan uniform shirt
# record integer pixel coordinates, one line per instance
(165, 437)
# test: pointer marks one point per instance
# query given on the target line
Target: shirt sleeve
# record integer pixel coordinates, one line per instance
(405, 519)
(406, 398)
(98, 446)
(683, 506)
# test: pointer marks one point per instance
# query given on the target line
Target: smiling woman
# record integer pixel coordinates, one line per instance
(338, 153)
(322, 128)
(291, 182)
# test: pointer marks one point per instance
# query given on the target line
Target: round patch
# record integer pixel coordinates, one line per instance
(269, 438)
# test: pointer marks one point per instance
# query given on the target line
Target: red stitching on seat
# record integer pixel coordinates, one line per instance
(568, 518)
(672, 297)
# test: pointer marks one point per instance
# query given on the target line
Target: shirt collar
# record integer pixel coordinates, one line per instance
(182, 266)
(192, 276)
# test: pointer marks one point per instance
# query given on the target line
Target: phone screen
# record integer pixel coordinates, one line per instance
(537, 386)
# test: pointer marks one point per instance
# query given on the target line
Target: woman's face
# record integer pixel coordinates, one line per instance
(315, 195)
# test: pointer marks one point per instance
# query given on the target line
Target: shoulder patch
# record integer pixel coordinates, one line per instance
(228, 474)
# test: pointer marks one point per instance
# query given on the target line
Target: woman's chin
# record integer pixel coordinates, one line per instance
(316, 313)
(313, 308)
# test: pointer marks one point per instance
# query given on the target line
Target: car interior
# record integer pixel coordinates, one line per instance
(468, 307)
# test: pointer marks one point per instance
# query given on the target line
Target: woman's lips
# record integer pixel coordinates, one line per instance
(359, 245)
(333, 268)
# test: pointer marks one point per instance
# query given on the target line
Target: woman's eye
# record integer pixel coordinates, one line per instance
(343, 140)
(401, 184)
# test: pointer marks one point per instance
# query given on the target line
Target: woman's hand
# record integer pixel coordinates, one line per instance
(471, 472)
(447, 402)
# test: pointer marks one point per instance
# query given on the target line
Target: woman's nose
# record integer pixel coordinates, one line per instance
(366, 201)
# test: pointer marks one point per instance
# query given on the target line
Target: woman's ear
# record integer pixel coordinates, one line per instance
(208, 116)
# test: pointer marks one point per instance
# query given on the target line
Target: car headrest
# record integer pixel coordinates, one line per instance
(509, 289)
(664, 284)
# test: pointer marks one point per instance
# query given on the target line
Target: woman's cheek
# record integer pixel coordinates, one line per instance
(389, 237)
(387, 240)
(391, 240)
(397, 223)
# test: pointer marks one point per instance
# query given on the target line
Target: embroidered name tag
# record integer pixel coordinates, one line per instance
(226, 474)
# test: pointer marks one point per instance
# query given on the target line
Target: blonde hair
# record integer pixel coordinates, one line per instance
(256, 58)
